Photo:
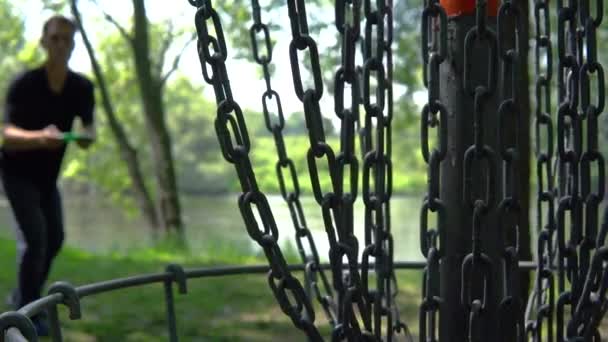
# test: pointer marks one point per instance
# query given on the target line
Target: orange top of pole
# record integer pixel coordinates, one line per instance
(463, 7)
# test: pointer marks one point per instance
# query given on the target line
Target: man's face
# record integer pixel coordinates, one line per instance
(58, 41)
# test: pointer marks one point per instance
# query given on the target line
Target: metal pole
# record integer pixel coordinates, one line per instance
(171, 321)
(54, 325)
(454, 325)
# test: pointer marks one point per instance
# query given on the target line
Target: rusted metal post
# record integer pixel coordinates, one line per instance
(455, 323)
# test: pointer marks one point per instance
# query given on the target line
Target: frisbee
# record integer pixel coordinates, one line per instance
(70, 136)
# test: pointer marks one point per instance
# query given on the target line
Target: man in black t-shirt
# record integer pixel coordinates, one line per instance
(41, 105)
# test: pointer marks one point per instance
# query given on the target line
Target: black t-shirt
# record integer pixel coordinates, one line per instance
(32, 105)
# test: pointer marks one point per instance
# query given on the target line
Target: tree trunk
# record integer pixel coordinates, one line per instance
(151, 93)
(127, 152)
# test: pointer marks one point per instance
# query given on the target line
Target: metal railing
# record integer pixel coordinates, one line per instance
(17, 325)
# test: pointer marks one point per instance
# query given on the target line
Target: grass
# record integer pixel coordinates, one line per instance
(230, 308)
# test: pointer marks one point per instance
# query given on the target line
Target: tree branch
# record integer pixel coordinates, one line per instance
(127, 152)
(176, 60)
(110, 19)
(164, 47)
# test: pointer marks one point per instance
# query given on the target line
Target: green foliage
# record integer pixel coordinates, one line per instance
(190, 121)
(295, 124)
(55, 5)
(409, 171)
(199, 165)
(16, 54)
(105, 170)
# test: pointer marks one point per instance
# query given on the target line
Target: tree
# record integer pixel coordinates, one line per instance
(151, 79)
(16, 53)
(295, 124)
(200, 168)
(151, 82)
(127, 151)
(198, 164)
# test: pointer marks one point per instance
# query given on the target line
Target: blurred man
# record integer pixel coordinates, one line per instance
(41, 105)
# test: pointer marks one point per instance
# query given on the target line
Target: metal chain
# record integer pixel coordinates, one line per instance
(303, 235)
(349, 28)
(335, 207)
(434, 114)
(481, 158)
(543, 294)
(582, 270)
(509, 24)
(395, 326)
(577, 61)
(569, 144)
(377, 165)
(587, 296)
(347, 162)
(235, 145)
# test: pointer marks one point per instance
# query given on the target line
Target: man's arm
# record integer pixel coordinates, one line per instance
(16, 138)
(89, 132)
(86, 115)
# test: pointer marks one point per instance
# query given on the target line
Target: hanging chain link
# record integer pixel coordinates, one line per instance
(579, 278)
(588, 279)
(479, 160)
(570, 242)
(348, 24)
(543, 294)
(303, 235)
(434, 114)
(377, 164)
(569, 144)
(509, 25)
(355, 301)
(395, 326)
(235, 145)
(336, 206)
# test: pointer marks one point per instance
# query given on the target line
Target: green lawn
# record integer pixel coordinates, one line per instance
(230, 308)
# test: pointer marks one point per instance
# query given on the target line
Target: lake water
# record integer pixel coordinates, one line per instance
(214, 222)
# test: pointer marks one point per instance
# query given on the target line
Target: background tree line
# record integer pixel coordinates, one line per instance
(155, 125)
(156, 131)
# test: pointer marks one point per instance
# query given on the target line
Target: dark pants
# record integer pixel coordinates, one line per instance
(38, 213)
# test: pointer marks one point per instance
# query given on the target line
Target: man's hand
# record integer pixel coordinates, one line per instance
(50, 137)
(88, 135)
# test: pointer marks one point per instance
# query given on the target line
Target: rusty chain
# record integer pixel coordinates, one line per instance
(434, 115)
(571, 257)
(587, 295)
(509, 25)
(235, 146)
(303, 235)
(479, 159)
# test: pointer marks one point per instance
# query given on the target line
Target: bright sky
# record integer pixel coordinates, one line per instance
(244, 75)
